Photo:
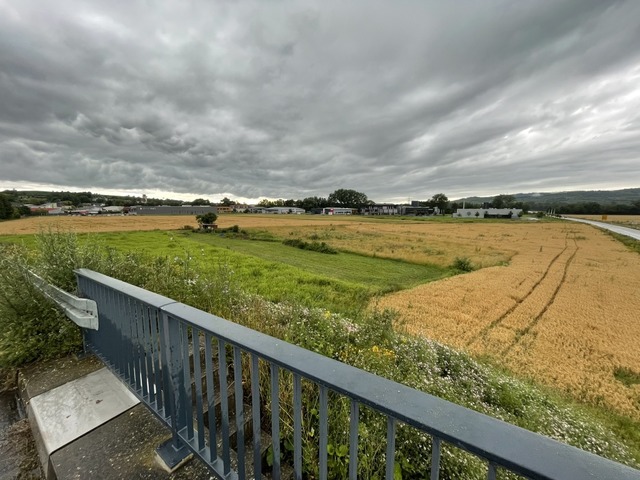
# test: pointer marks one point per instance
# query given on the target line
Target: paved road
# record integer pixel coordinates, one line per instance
(629, 232)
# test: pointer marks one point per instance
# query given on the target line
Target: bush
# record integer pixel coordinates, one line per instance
(31, 327)
(462, 264)
(206, 218)
(314, 246)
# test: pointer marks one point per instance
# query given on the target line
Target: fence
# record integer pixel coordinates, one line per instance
(186, 366)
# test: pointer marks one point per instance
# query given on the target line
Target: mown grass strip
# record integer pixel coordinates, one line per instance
(341, 283)
(383, 274)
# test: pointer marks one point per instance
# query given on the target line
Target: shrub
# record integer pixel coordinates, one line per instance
(31, 327)
(206, 218)
(314, 246)
(462, 264)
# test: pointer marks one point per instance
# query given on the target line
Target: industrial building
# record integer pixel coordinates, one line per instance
(172, 210)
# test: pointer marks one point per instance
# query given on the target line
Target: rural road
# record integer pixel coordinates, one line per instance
(629, 232)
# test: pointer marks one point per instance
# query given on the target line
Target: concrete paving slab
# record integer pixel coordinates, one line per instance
(123, 448)
(71, 410)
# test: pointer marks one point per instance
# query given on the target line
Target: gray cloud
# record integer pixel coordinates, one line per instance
(292, 99)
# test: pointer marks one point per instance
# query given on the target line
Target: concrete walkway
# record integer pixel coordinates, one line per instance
(87, 424)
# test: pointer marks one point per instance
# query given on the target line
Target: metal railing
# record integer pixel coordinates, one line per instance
(177, 359)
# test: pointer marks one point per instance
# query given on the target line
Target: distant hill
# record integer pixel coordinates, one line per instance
(626, 196)
(37, 197)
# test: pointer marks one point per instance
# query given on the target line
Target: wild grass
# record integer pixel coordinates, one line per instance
(631, 243)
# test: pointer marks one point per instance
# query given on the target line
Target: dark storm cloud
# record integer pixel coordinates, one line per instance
(290, 99)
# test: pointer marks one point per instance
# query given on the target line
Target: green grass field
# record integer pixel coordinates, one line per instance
(342, 283)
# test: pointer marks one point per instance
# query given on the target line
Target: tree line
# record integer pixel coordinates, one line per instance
(346, 198)
(76, 199)
(12, 203)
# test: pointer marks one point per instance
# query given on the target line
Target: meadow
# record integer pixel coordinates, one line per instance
(551, 301)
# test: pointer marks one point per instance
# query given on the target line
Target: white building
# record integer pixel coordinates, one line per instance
(337, 211)
(285, 210)
(112, 209)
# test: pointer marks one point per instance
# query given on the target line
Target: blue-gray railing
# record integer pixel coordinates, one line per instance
(161, 349)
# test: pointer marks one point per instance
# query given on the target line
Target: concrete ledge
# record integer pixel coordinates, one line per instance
(75, 408)
(87, 424)
(123, 448)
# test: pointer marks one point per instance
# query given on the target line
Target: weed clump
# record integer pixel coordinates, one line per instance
(320, 247)
(463, 264)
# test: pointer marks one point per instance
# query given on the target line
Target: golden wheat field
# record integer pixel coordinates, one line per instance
(565, 311)
(120, 223)
(556, 302)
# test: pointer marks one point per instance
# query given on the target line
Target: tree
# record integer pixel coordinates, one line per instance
(227, 202)
(503, 201)
(206, 218)
(310, 203)
(347, 198)
(23, 211)
(441, 201)
(6, 209)
(201, 201)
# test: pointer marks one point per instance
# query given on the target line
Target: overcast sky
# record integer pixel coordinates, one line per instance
(396, 99)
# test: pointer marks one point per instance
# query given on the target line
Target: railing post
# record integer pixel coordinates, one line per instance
(173, 453)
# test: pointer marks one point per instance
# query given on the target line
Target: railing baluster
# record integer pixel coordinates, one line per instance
(133, 338)
(141, 360)
(275, 420)
(197, 375)
(297, 426)
(353, 439)
(165, 355)
(155, 357)
(436, 445)
(491, 473)
(173, 385)
(123, 354)
(187, 404)
(105, 345)
(391, 448)
(152, 371)
(111, 349)
(224, 405)
(323, 431)
(211, 397)
(129, 329)
(255, 413)
(143, 347)
(237, 380)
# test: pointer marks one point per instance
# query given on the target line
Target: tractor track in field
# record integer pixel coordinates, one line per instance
(495, 323)
(525, 331)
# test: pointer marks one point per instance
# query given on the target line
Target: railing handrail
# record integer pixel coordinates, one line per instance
(515, 448)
